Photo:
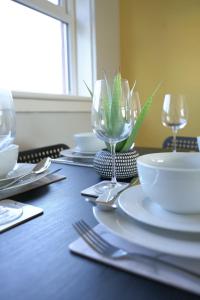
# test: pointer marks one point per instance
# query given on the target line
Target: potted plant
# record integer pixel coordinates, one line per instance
(125, 157)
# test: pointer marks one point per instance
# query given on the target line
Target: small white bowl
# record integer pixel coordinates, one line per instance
(8, 159)
(88, 142)
(172, 180)
(198, 142)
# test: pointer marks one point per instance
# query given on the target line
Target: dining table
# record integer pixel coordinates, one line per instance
(35, 260)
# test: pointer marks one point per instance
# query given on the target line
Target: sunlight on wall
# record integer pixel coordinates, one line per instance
(160, 40)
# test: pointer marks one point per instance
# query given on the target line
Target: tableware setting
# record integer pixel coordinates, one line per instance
(160, 216)
(166, 200)
(16, 178)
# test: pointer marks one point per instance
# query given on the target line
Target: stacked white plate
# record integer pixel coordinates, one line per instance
(143, 222)
(19, 170)
(76, 155)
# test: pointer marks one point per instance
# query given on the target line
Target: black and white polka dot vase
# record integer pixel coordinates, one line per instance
(126, 166)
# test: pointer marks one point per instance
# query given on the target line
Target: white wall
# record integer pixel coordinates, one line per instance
(42, 129)
(44, 122)
(107, 37)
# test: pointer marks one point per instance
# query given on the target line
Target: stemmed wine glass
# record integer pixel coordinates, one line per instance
(112, 118)
(10, 212)
(174, 114)
(136, 105)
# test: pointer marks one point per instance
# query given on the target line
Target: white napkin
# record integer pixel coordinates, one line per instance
(154, 271)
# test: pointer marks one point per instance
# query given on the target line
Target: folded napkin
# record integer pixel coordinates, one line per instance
(153, 271)
(30, 186)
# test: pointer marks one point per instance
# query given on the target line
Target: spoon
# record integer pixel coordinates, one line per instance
(109, 197)
(102, 206)
(40, 167)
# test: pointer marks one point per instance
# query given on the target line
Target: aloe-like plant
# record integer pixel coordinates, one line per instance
(113, 114)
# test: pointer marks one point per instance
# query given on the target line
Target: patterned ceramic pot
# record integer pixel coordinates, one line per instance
(125, 164)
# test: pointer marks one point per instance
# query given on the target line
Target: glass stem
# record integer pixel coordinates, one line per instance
(113, 179)
(174, 131)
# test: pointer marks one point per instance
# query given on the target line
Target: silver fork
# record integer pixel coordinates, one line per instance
(101, 246)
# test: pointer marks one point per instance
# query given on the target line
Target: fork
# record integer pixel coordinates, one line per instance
(103, 247)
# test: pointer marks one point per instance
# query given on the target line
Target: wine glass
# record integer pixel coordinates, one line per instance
(136, 105)
(112, 118)
(8, 212)
(174, 114)
(7, 119)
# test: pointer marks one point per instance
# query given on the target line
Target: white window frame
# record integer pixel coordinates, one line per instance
(65, 13)
(102, 57)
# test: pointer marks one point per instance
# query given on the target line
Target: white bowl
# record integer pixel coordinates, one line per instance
(88, 142)
(198, 142)
(8, 159)
(172, 180)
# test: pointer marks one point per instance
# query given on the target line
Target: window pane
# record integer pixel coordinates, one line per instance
(56, 2)
(31, 52)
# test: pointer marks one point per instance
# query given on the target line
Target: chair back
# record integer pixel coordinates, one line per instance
(183, 143)
(37, 154)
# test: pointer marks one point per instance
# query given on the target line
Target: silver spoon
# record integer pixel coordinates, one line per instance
(102, 206)
(40, 167)
(109, 197)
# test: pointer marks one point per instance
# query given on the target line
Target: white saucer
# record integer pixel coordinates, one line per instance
(78, 150)
(163, 241)
(135, 204)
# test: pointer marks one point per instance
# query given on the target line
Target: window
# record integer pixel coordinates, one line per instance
(38, 52)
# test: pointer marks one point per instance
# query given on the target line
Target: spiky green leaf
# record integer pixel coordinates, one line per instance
(131, 139)
(89, 90)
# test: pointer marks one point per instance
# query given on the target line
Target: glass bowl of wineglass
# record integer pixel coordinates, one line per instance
(174, 114)
(8, 212)
(112, 117)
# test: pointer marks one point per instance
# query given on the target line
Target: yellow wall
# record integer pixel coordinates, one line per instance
(160, 40)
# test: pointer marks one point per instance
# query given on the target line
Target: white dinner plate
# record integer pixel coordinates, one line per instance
(163, 241)
(135, 204)
(19, 170)
(25, 181)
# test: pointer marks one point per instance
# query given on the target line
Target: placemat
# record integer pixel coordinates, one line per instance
(29, 212)
(154, 271)
(41, 182)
